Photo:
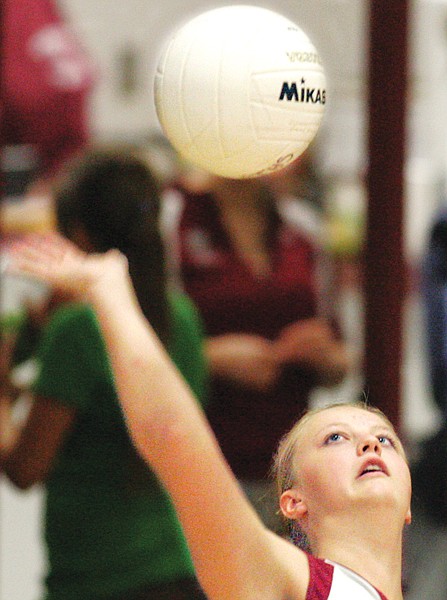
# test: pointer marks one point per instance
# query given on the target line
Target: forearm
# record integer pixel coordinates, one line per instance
(148, 384)
(9, 434)
(172, 434)
(165, 421)
(8, 430)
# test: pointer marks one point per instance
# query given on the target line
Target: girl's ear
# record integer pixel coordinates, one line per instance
(408, 517)
(293, 505)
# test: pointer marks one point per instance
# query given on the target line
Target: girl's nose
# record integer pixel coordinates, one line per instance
(370, 444)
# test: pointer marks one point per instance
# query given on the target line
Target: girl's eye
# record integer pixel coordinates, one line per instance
(333, 437)
(386, 441)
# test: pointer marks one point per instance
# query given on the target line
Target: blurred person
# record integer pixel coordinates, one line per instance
(434, 287)
(253, 275)
(430, 465)
(47, 78)
(110, 529)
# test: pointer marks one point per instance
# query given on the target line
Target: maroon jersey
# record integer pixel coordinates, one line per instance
(46, 80)
(330, 581)
(230, 298)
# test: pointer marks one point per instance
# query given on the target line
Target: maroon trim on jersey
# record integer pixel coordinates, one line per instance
(320, 582)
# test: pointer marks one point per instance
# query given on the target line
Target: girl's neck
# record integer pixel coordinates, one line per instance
(377, 557)
(245, 217)
(236, 196)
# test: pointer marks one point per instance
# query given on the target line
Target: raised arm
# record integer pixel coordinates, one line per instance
(234, 555)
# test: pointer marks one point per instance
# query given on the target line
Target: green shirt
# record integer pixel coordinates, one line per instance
(109, 525)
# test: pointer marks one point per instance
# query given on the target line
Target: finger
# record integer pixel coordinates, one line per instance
(38, 254)
(50, 246)
(27, 264)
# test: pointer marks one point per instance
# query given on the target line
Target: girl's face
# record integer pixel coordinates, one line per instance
(348, 457)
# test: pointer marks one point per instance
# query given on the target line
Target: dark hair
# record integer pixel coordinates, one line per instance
(113, 195)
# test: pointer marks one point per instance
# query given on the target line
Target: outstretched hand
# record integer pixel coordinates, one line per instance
(61, 264)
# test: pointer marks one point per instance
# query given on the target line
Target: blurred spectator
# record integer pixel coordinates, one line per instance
(110, 529)
(252, 273)
(434, 288)
(46, 82)
(430, 469)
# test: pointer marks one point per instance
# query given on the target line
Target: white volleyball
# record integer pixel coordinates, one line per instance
(240, 91)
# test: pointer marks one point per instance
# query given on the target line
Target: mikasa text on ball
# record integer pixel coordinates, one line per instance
(240, 91)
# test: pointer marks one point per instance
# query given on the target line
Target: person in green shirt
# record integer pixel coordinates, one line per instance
(110, 529)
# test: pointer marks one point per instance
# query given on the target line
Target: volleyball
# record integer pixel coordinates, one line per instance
(240, 91)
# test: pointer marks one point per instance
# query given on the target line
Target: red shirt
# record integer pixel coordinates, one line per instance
(330, 581)
(231, 299)
(46, 80)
